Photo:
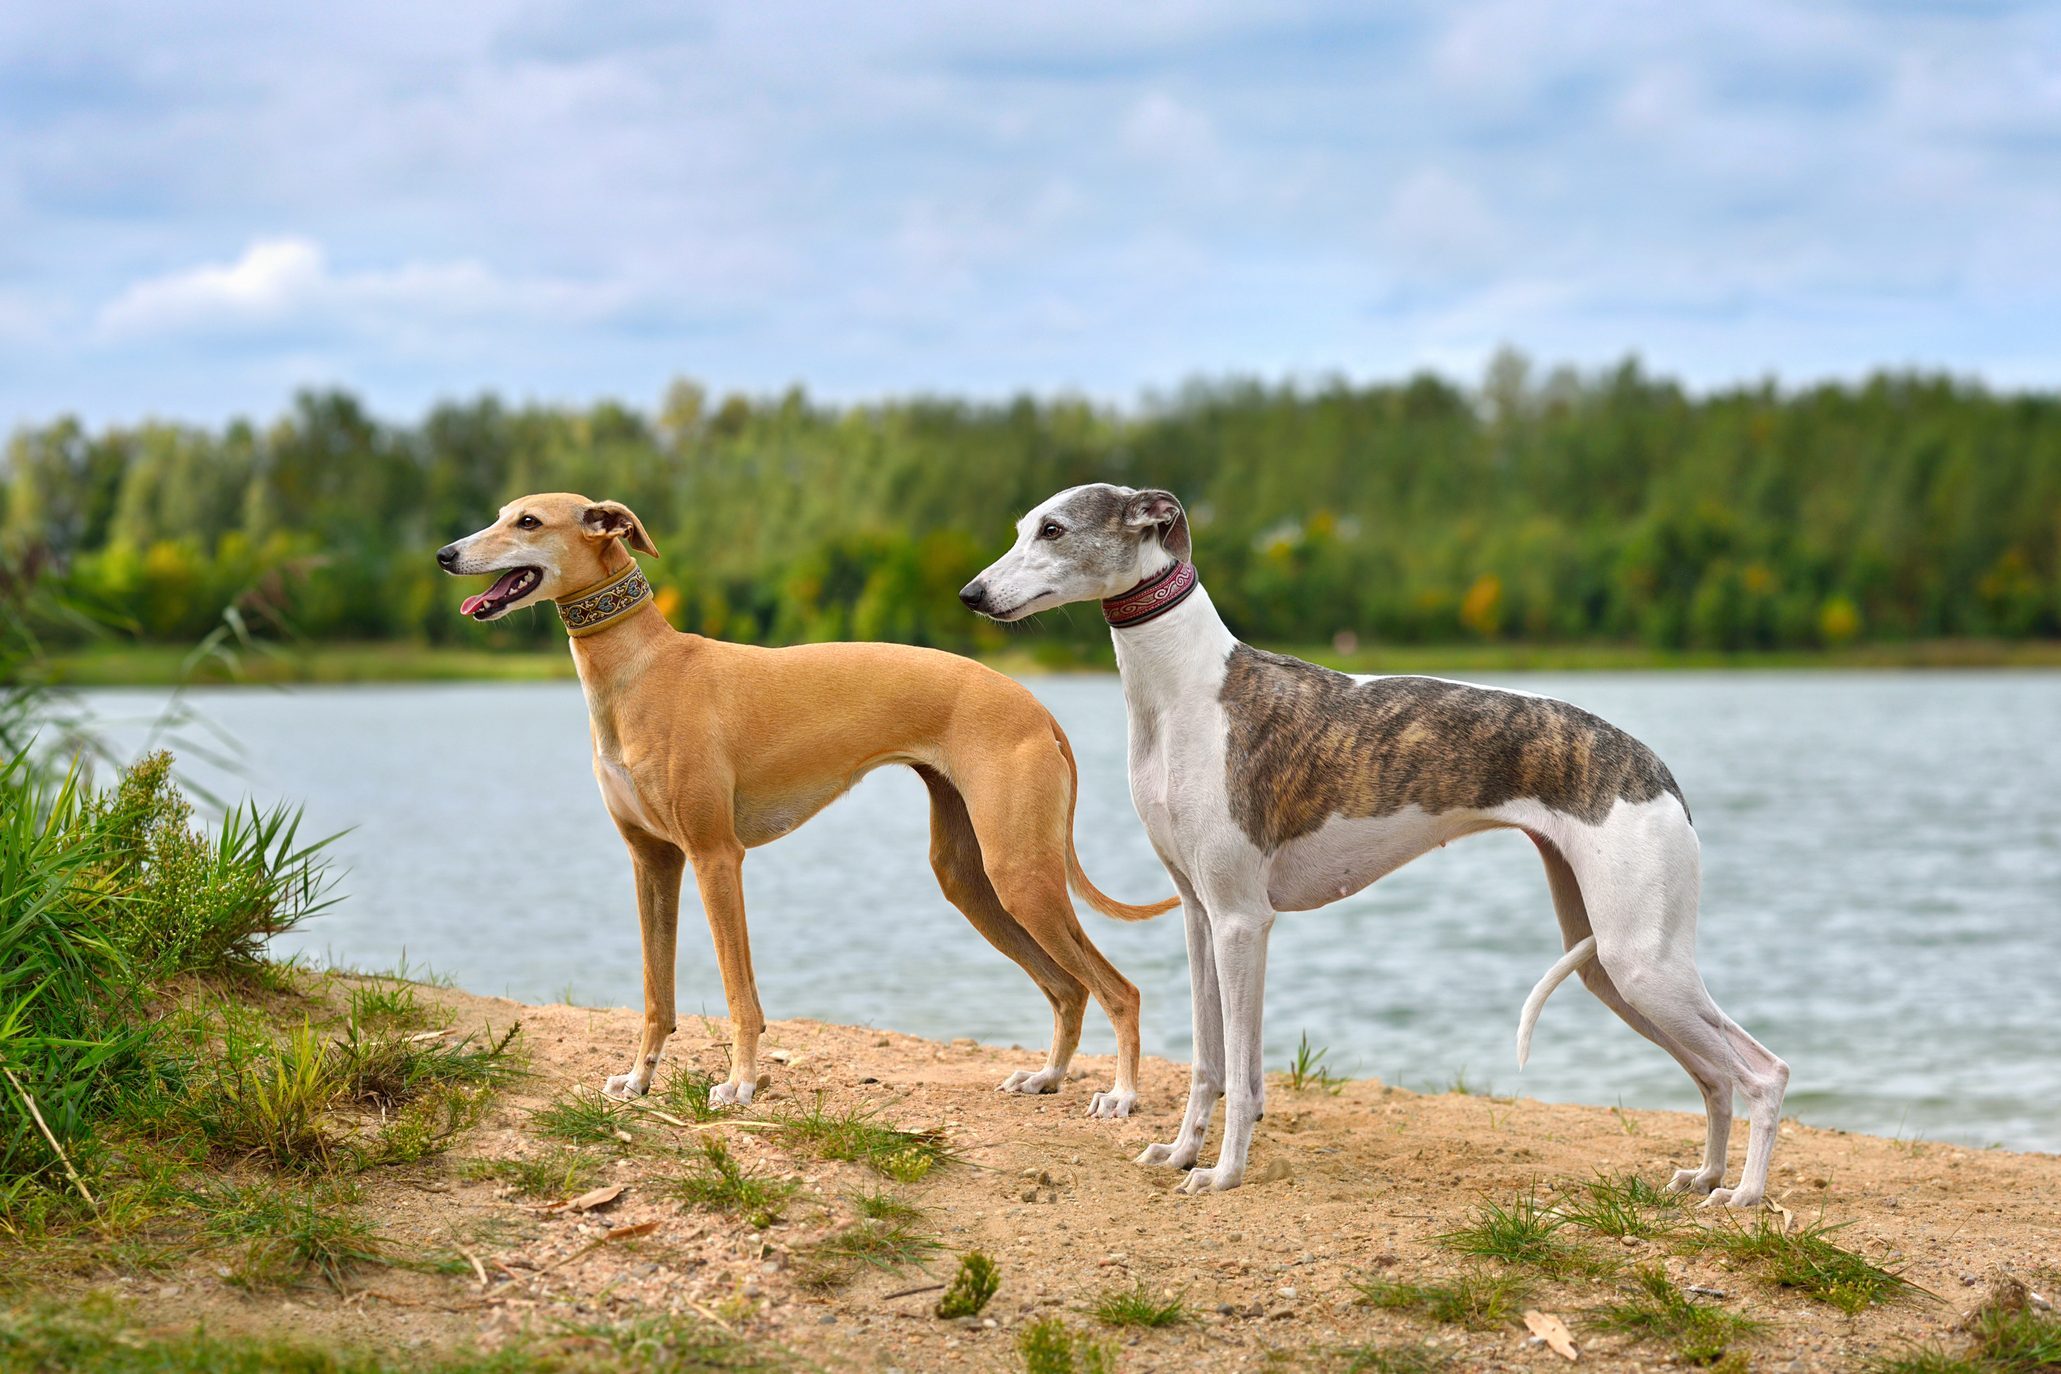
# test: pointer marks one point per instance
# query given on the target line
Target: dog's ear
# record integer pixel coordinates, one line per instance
(1158, 509)
(614, 520)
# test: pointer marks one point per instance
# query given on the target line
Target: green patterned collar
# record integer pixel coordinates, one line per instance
(598, 607)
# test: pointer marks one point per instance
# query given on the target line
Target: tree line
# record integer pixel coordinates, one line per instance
(1557, 507)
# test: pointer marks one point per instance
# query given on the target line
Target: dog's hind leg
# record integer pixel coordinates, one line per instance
(1716, 1089)
(1206, 1072)
(1644, 917)
(658, 868)
(1019, 806)
(955, 858)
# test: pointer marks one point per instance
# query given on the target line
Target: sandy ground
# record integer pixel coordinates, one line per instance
(1341, 1187)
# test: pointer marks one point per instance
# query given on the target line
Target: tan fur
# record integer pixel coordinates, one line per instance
(705, 749)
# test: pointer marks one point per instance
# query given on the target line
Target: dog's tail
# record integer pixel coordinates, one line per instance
(1076, 877)
(1583, 950)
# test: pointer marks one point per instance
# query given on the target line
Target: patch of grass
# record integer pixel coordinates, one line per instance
(553, 1174)
(1460, 1087)
(1307, 1069)
(719, 1182)
(99, 1336)
(290, 1234)
(390, 1006)
(1480, 1302)
(581, 1116)
(268, 1097)
(970, 1288)
(1657, 1310)
(1052, 1347)
(1394, 1359)
(386, 1071)
(1623, 1206)
(2006, 1335)
(1522, 1233)
(1805, 1260)
(868, 1244)
(881, 1206)
(1139, 1306)
(858, 1135)
(686, 1095)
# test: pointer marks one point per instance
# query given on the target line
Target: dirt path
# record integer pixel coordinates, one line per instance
(1343, 1187)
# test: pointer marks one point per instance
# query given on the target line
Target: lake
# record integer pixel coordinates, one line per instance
(1882, 900)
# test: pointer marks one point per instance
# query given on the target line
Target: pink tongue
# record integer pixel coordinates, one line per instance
(502, 586)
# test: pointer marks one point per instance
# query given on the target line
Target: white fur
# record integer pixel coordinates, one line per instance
(1628, 911)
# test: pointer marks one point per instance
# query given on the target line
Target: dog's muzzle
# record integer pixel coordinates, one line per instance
(974, 594)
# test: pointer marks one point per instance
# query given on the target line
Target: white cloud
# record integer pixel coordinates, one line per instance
(288, 285)
(1160, 129)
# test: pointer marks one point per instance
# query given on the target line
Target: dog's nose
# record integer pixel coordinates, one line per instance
(446, 556)
(973, 594)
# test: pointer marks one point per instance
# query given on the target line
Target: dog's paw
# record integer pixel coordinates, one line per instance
(731, 1094)
(1112, 1105)
(1216, 1180)
(1697, 1181)
(1030, 1083)
(625, 1087)
(1174, 1156)
(1738, 1199)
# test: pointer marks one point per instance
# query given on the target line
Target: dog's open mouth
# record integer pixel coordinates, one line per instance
(509, 588)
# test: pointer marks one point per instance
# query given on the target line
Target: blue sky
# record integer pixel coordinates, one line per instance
(205, 206)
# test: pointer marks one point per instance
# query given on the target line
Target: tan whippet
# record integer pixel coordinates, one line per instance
(705, 749)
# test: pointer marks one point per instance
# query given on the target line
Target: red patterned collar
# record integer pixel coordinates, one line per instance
(1152, 598)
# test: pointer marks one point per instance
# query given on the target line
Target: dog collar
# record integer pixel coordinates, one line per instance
(604, 603)
(1152, 598)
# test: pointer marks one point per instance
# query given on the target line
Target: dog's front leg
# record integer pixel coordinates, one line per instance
(1239, 938)
(658, 868)
(1206, 1072)
(719, 873)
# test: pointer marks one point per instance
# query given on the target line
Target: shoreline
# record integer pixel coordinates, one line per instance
(1355, 1188)
(151, 665)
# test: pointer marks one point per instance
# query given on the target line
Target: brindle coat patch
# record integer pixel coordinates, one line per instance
(1308, 744)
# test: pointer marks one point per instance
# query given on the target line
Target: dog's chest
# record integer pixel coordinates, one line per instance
(619, 792)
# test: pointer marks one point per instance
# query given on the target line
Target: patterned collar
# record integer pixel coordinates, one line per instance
(1152, 598)
(605, 603)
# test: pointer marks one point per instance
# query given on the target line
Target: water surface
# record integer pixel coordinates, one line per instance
(1882, 907)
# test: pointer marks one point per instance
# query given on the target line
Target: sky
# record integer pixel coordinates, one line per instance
(206, 206)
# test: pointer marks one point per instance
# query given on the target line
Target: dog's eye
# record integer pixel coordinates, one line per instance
(1052, 530)
(528, 522)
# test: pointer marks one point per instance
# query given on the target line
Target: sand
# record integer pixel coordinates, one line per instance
(1343, 1186)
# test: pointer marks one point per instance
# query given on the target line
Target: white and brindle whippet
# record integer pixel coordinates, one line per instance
(1268, 784)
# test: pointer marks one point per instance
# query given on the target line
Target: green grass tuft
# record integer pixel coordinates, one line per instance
(1804, 1260)
(1480, 1302)
(1524, 1232)
(581, 1116)
(1051, 1347)
(1394, 1359)
(1139, 1306)
(970, 1289)
(1657, 1310)
(289, 1234)
(880, 1206)
(1307, 1069)
(868, 1244)
(858, 1135)
(2006, 1335)
(1626, 1206)
(553, 1174)
(720, 1183)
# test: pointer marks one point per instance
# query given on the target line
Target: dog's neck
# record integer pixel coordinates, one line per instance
(1174, 655)
(612, 624)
